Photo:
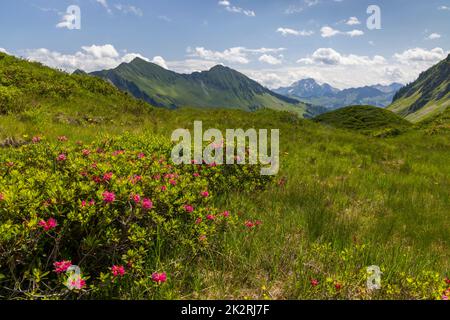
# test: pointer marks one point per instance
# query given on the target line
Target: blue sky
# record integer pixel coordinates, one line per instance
(274, 42)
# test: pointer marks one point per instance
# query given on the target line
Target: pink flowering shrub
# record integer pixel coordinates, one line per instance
(117, 202)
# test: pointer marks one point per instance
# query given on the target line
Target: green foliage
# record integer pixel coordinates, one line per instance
(11, 100)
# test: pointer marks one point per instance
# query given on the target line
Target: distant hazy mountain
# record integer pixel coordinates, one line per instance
(426, 97)
(220, 87)
(394, 87)
(309, 91)
(307, 88)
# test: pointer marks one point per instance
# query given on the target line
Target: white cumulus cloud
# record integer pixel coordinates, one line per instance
(267, 58)
(237, 55)
(160, 62)
(434, 36)
(352, 21)
(421, 55)
(355, 33)
(329, 56)
(89, 58)
(328, 32)
(287, 31)
(105, 51)
(233, 55)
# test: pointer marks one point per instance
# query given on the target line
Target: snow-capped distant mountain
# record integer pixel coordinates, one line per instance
(308, 90)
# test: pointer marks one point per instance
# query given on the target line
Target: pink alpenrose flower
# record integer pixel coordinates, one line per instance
(118, 271)
(62, 266)
(62, 157)
(49, 224)
(147, 204)
(204, 194)
(108, 197)
(159, 277)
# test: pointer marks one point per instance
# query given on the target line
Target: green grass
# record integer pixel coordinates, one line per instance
(343, 188)
(344, 201)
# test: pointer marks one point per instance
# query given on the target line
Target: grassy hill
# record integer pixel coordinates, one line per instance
(341, 202)
(367, 119)
(427, 96)
(220, 87)
(38, 98)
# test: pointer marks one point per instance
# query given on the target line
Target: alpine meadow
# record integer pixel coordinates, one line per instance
(94, 207)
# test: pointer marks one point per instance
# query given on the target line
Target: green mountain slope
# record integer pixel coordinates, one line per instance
(36, 97)
(437, 123)
(220, 87)
(367, 119)
(28, 85)
(427, 96)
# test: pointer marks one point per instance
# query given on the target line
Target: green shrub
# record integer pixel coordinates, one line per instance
(11, 99)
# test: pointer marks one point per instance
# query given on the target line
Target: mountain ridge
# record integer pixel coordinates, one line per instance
(429, 95)
(218, 87)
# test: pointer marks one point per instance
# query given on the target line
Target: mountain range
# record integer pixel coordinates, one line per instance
(223, 87)
(219, 87)
(85, 99)
(309, 91)
(426, 97)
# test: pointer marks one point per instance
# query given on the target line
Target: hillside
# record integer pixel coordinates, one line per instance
(36, 98)
(427, 96)
(219, 87)
(437, 123)
(364, 119)
(309, 91)
(29, 85)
